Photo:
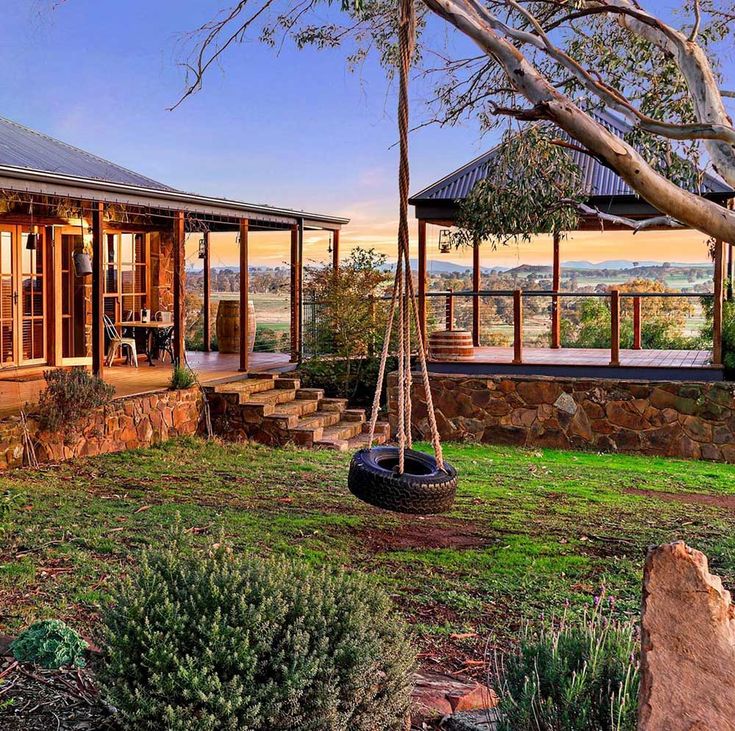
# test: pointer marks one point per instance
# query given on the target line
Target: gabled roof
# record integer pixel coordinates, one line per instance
(22, 147)
(597, 179)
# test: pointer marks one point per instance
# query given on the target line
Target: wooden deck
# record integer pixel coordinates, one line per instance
(19, 388)
(679, 365)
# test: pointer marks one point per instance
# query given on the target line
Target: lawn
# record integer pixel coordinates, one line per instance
(534, 534)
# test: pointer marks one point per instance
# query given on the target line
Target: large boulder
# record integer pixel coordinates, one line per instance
(687, 645)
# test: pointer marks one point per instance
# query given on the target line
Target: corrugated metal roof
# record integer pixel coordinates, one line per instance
(597, 179)
(22, 147)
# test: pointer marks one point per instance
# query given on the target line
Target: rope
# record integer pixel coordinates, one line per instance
(404, 297)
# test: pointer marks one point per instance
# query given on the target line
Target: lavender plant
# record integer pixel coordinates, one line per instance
(579, 676)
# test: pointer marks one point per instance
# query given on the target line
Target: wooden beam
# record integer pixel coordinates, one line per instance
(615, 327)
(421, 274)
(637, 323)
(179, 311)
(207, 334)
(335, 250)
(295, 294)
(53, 297)
(717, 303)
(475, 290)
(518, 326)
(730, 273)
(244, 295)
(98, 290)
(300, 290)
(556, 286)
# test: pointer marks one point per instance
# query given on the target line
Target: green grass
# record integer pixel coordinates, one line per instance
(534, 532)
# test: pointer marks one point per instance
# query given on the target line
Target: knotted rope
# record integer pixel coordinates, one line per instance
(404, 297)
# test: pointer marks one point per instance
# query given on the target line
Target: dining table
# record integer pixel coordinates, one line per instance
(154, 331)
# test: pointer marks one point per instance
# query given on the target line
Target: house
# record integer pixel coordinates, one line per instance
(58, 202)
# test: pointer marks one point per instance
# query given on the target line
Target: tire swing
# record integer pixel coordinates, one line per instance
(400, 478)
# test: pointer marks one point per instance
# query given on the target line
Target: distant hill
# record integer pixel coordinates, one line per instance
(440, 266)
(622, 264)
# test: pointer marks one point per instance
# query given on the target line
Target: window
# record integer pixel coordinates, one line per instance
(126, 275)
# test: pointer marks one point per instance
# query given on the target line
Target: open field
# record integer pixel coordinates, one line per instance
(533, 533)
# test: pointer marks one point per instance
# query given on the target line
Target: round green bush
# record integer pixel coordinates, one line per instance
(51, 644)
(219, 641)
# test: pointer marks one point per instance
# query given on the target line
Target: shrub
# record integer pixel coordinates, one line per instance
(70, 395)
(181, 377)
(218, 641)
(580, 677)
(50, 644)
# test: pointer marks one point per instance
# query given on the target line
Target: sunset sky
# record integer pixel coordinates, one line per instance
(290, 128)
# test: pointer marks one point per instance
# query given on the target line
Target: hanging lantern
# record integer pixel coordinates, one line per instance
(32, 240)
(445, 241)
(82, 263)
(202, 248)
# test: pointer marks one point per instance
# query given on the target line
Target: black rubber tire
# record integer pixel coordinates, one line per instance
(423, 489)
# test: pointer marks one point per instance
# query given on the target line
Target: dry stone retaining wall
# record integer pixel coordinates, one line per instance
(677, 419)
(128, 423)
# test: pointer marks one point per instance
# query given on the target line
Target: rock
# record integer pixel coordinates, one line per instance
(566, 403)
(471, 721)
(436, 695)
(688, 644)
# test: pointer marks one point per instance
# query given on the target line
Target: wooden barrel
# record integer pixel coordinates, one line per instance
(228, 326)
(450, 345)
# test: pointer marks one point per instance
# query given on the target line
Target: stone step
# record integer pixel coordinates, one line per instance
(245, 387)
(310, 393)
(333, 404)
(361, 441)
(284, 382)
(382, 428)
(318, 420)
(345, 436)
(273, 396)
(354, 415)
(286, 416)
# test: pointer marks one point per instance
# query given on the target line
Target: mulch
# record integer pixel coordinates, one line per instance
(33, 699)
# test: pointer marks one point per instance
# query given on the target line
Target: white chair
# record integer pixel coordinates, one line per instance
(118, 342)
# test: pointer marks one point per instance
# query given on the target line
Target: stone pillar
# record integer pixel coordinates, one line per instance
(687, 644)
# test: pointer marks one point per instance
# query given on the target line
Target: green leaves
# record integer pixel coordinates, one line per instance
(213, 640)
(51, 644)
(532, 187)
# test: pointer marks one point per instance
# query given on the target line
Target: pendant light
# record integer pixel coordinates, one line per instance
(202, 248)
(32, 238)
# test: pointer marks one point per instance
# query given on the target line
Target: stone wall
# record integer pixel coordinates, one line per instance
(162, 271)
(687, 419)
(128, 423)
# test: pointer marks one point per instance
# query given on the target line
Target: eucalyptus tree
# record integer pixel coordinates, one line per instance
(550, 63)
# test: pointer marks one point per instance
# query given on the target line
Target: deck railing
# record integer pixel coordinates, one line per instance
(444, 308)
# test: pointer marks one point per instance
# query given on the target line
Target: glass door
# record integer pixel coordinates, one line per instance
(8, 297)
(22, 298)
(33, 298)
(76, 302)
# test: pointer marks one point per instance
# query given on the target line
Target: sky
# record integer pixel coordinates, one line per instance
(292, 128)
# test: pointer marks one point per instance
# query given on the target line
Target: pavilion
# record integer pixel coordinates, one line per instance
(439, 205)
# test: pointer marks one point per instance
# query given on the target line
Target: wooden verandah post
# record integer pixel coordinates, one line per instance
(179, 312)
(335, 250)
(555, 286)
(244, 295)
(207, 295)
(297, 239)
(422, 283)
(718, 303)
(475, 293)
(98, 290)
